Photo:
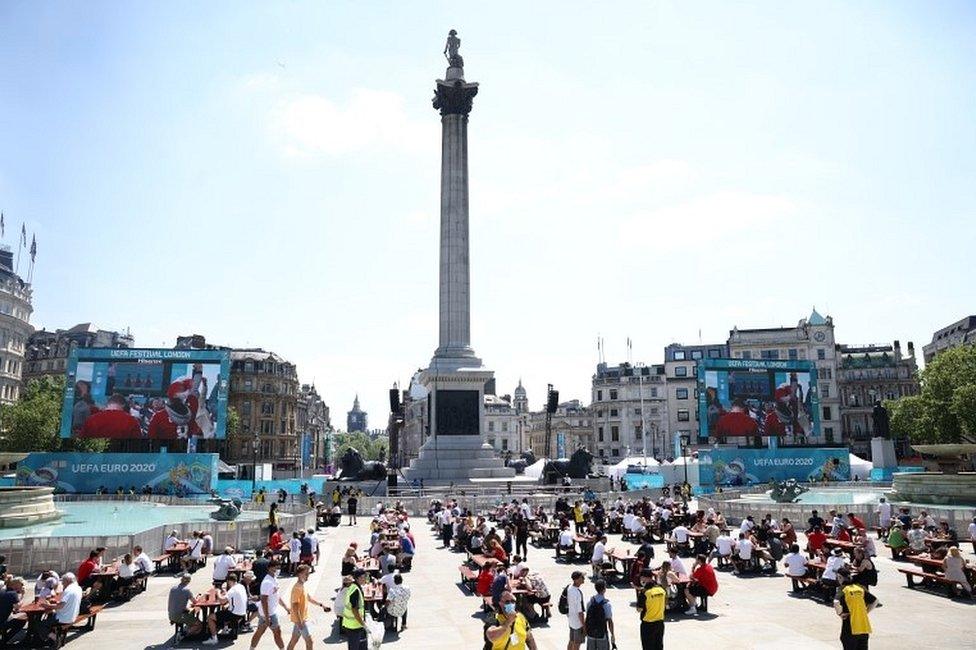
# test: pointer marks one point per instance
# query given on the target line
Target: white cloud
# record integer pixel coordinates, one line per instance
(370, 120)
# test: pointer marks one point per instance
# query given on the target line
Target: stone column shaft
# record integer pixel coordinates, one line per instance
(455, 277)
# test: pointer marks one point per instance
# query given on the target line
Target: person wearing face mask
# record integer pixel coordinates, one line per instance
(268, 607)
(511, 630)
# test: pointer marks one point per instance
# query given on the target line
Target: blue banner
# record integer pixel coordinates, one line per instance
(733, 467)
(85, 473)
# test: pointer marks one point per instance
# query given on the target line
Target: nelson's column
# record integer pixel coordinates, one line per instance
(455, 380)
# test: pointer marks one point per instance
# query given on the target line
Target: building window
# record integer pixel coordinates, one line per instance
(653, 392)
(714, 354)
(491, 425)
(681, 371)
(825, 390)
(826, 413)
(696, 355)
(681, 393)
(829, 434)
(491, 441)
(615, 433)
(821, 354)
(793, 354)
(602, 452)
(613, 394)
(769, 354)
(683, 415)
(505, 426)
(599, 434)
(638, 431)
(679, 355)
(637, 411)
(615, 452)
(613, 413)
(599, 413)
(504, 444)
(599, 396)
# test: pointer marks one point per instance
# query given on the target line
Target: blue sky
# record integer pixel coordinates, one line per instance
(266, 174)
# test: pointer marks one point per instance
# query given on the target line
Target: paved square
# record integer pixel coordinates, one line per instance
(747, 612)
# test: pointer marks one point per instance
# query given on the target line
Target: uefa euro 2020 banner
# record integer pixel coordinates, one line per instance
(146, 393)
(78, 472)
(733, 467)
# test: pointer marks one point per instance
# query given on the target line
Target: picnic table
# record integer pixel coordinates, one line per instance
(373, 592)
(480, 560)
(585, 543)
(847, 547)
(208, 602)
(35, 611)
(368, 564)
(242, 567)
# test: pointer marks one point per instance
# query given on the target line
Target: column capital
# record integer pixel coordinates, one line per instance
(454, 97)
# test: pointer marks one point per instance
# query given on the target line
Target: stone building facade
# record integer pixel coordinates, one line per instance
(681, 372)
(264, 391)
(867, 374)
(312, 420)
(811, 340)
(502, 425)
(47, 352)
(626, 399)
(572, 428)
(962, 332)
(15, 328)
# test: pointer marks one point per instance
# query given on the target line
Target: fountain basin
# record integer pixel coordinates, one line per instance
(935, 487)
(26, 506)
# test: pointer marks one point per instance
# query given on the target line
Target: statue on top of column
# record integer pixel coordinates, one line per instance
(451, 48)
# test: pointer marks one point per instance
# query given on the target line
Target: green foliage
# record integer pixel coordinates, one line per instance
(371, 449)
(945, 411)
(32, 423)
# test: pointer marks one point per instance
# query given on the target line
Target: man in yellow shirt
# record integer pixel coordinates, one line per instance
(852, 605)
(651, 603)
(511, 630)
(299, 609)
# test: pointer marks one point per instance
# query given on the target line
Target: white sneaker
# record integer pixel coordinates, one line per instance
(211, 641)
(692, 611)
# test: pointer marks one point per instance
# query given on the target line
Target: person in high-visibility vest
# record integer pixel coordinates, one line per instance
(651, 603)
(354, 612)
(852, 604)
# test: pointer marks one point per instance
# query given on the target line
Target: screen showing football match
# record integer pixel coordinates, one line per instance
(146, 393)
(744, 398)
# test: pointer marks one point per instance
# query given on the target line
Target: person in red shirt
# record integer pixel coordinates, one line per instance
(843, 535)
(496, 551)
(485, 577)
(815, 541)
(112, 422)
(702, 585)
(277, 539)
(737, 422)
(85, 570)
(856, 521)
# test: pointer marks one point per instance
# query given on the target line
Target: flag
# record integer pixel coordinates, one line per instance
(23, 234)
(2, 227)
(33, 250)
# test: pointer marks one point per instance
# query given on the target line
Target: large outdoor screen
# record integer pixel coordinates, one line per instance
(155, 394)
(746, 398)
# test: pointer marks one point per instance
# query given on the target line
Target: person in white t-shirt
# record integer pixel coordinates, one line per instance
(884, 515)
(315, 545)
(972, 533)
(723, 547)
(743, 553)
(172, 540)
(747, 525)
(233, 612)
(676, 564)
(70, 604)
(294, 549)
(222, 566)
(597, 559)
(195, 556)
(680, 534)
(566, 542)
(268, 606)
(144, 563)
(387, 579)
(795, 562)
(577, 612)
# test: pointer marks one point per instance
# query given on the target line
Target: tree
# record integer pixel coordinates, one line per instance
(945, 410)
(33, 422)
(369, 448)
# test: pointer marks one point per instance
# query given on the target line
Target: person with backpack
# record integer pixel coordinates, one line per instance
(599, 620)
(511, 629)
(574, 610)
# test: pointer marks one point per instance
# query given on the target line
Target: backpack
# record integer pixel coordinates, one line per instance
(596, 619)
(564, 601)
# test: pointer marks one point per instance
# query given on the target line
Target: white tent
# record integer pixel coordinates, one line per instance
(535, 469)
(674, 472)
(860, 468)
(620, 468)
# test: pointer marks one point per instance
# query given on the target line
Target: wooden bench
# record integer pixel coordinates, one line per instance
(83, 623)
(469, 577)
(801, 583)
(952, 588)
